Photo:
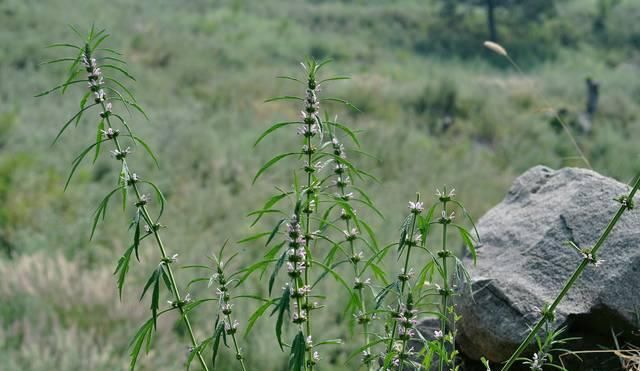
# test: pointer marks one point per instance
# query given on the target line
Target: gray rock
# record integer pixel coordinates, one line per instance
(523, 262)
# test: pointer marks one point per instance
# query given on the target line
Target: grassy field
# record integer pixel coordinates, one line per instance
(204, 69)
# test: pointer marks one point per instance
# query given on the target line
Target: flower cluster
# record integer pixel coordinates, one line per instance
(311, 126)
(299, 314)
(416, 207)
(445, 196)
(296, 255)
(96, 80)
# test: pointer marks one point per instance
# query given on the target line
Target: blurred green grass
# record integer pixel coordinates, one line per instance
(204, 69)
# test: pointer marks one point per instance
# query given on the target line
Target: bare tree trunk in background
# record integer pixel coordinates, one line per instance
(585, 120)
(493, 33)
(592, 97)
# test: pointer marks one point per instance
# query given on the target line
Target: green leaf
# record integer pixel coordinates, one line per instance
(334, 79)
(98, 140)
(404, 230)
(372, 235)
(254, 237)
(73, 73)
(216, 343)
(276, 269)
(109, 50)
(296, 358)
(167, 280)
(159, 196)
(384, 292)
(197, 350)
(281, 307)
(274, 231)
(66, 125)
(132, 104)
(268, 205)
(83, 103)
(330, 270)
(468, 241)
(346, 130)
(466, 213)
(117, 68)
(317, 67)
(99, 41)
(123, 184)
(122, 87)
(379, 273)
(340, 101)
(65, 45)
(79, 159)
(252, 268)
(101, 210)
(359, 351)
(335, 275)
(284, 97)
(274, 128)
(145, 332)
(154, 280)
(58, 61)
(136, 236)
(59, 86)
(122, 268)
(124, 123)
(290, 78)
(257, 314)
(149, 151)
(274, 250)
(462, 275)
(272, 162)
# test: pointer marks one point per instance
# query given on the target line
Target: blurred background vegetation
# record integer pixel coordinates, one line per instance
(437, 108)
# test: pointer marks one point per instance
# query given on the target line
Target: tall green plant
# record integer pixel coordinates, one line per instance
(91, 65)
(312, 251)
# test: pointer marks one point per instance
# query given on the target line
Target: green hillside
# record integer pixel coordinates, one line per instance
(436, 108)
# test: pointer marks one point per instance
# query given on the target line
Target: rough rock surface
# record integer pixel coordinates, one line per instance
(523, 262)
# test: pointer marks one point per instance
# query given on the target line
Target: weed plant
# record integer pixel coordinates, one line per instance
(319, 235)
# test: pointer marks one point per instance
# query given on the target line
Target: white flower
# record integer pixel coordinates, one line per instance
(120, 154)
(437, 334)
(110, 133)
(416, 207)
(451, 193)
(231, 327)
(351, 235)
(100, 96)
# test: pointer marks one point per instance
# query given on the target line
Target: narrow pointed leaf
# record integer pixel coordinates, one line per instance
(296, 358)
(273, 128)
(256, 315)
(272, 162)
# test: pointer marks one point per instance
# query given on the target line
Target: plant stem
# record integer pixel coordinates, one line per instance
(574, 277)
(402, 288)
(163, 253)
(363, 304)
(235, 345)
(307, 248)
(445, 284)
(404, 282)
